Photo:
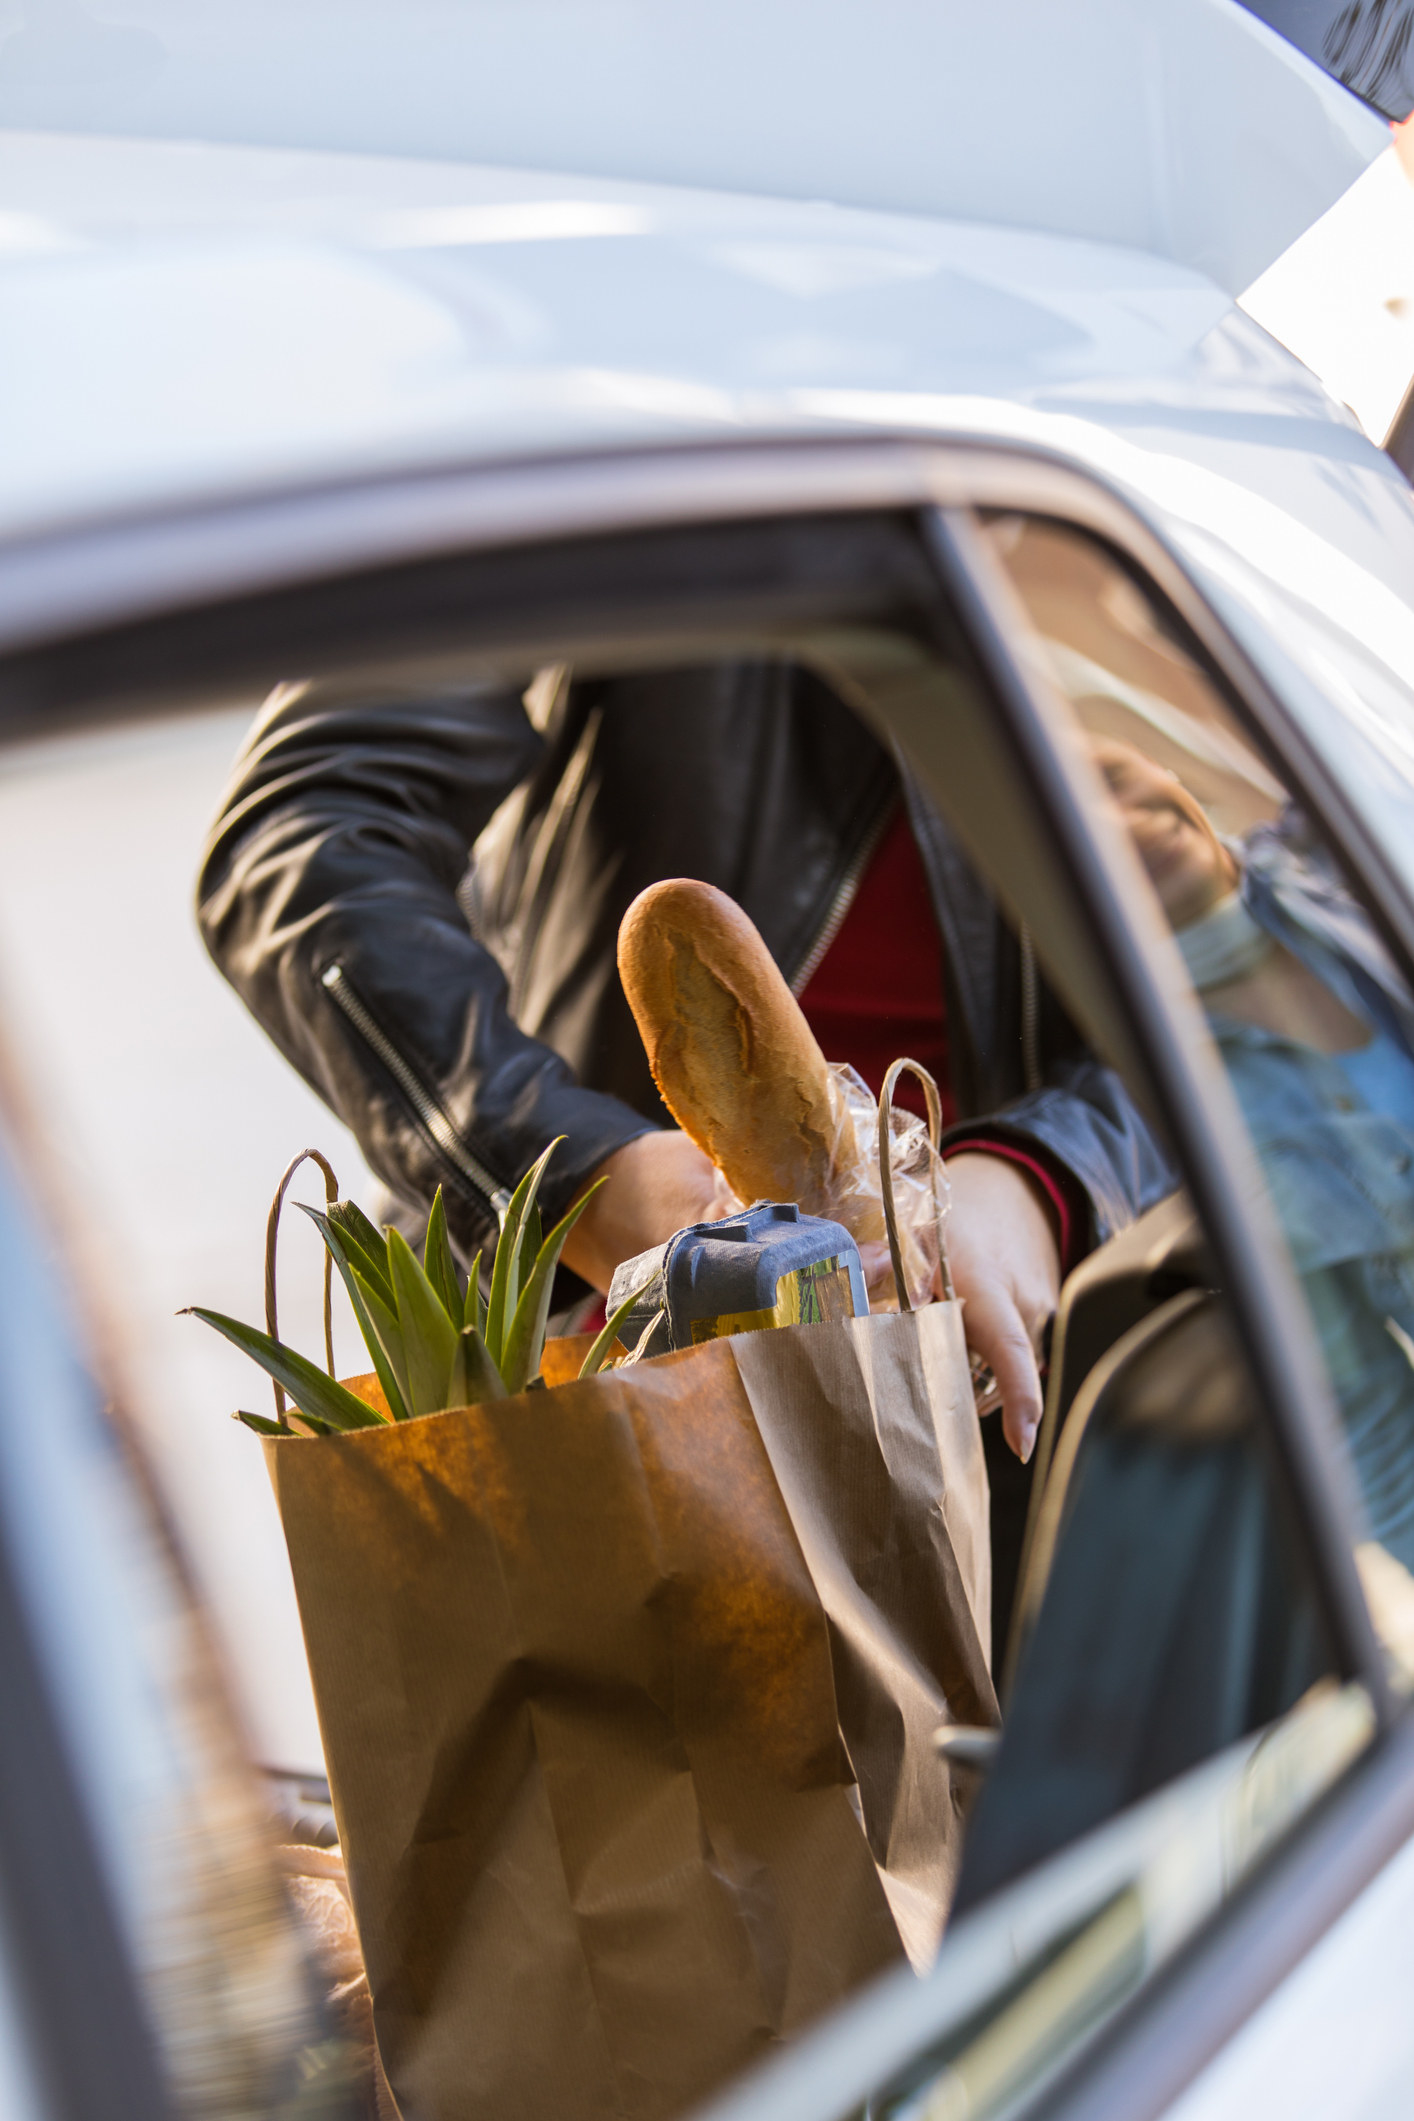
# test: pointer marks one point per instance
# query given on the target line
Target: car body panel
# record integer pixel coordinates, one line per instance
(271, 321)
(268, 317)
(1186, 128)
(1167, 1864)
(278, 325)
(1329, 2040)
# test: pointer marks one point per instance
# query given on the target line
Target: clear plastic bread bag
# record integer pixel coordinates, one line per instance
(920, 1187)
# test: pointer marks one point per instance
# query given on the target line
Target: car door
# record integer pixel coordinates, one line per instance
(1203, 1760)
(1092, 619)
(1089, 621)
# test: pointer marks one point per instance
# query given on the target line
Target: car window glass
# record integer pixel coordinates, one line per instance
(167, 1117)
(1165, 1601)
(1312, 1018)
(1068, 1944)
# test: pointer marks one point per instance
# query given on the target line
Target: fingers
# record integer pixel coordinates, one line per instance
(1006, 1268)
(723, 1201)
(876, 1266)
(997, 1332)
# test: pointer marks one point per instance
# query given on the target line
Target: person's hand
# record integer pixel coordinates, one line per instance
(1006, 1267)
(657, 1184)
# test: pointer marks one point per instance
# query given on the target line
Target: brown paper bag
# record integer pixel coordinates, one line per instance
(607, 1676)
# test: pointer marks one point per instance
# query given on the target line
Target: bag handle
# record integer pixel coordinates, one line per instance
(272, 1231)
(886, 1175)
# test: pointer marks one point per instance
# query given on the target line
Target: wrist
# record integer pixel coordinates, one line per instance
(1046, 1186)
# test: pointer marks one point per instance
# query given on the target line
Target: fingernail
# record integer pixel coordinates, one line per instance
(1028, 1442)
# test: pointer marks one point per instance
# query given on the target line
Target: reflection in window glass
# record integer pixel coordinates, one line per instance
(1057, 1956)
(1314, 1021)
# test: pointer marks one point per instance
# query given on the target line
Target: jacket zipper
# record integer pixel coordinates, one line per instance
(842, 901)
(433, 1117)
(1030, 1014)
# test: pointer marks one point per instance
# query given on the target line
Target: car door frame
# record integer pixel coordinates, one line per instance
(87, 617)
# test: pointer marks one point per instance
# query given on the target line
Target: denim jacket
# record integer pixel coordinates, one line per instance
(1341, 1174)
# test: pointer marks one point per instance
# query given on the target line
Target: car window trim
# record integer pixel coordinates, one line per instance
(100, 582)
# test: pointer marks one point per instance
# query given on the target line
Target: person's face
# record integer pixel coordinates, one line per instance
(1187, 862)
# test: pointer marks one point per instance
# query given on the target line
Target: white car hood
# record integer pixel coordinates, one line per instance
(1184, 128)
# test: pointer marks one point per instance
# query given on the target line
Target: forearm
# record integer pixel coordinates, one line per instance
(1085, 1142)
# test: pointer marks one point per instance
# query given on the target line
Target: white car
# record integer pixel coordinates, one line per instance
(901, 341)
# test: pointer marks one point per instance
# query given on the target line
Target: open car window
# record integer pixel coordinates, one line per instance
(1176, 1688)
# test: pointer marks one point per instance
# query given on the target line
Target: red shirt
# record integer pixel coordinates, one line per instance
(878, 993)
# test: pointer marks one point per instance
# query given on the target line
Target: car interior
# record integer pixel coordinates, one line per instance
(1202, 1598)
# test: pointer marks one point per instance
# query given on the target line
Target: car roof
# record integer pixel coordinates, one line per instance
(187, 322)
(1186, 128)
(187, 319)
(190, 325)
(770, 209)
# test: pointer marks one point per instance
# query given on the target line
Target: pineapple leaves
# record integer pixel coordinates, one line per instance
(506, 1269)
(525, 1340)
(532, 1237)
(433, 1346)
(386, 1334)
(474, 1312)
(429, 1337)
(366, 1246)
(377, 1320)
(438, 1263)
(261, 1424)
(474, 1376)
(598, 1354)
(318, 1397)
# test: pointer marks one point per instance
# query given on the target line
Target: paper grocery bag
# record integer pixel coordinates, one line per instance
(608, 1675)
(872, 1436)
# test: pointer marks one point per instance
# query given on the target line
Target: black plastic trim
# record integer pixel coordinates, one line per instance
(799, 567)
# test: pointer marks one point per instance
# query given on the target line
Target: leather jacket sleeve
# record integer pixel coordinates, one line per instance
(1084, 1121)
(328, 898)
(1078, 1119)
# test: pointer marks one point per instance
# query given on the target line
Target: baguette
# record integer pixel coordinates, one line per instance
(733, 1057)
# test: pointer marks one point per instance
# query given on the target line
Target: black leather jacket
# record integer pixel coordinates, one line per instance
(419, 900)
